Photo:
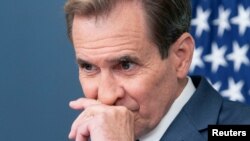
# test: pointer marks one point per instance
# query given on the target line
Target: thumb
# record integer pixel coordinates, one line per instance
(82, 103)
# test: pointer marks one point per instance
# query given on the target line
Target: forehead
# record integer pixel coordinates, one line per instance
(122, 33)
(126, 19)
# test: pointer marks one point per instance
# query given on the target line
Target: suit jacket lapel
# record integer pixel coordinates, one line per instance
(191, 123)
(182, 129)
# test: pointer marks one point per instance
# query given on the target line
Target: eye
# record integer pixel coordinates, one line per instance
(88, 68)
(127, 65)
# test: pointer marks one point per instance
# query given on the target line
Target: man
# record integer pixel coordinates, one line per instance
(134, 57)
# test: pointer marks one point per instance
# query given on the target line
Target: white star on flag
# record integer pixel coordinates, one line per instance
(197, 60)
(234, 90)
(201, 21)
(216, 57)
(221, 30)
(222, 22)
(243, 19)
(239, 56)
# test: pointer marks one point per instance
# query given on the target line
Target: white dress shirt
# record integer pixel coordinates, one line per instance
(159, 130)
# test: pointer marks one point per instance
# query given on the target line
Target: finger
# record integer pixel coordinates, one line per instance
(83, 118)
(83, 103)
(79, 137)
(82, 133)
(75, 125)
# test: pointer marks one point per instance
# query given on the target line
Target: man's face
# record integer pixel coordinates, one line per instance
(118, 65)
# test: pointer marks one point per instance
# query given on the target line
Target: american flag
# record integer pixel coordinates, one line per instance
(221, 29)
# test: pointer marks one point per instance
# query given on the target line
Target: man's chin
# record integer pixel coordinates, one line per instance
(140, 128)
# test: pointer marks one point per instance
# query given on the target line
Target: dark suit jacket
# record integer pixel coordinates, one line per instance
(205, 107)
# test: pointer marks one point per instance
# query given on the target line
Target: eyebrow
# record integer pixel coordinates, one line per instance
(131, 58)
(124, 58)
(81, 61)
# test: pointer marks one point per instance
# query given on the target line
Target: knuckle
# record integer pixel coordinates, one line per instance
(123, 110)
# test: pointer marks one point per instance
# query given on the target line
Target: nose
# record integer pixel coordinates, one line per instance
(109, 90)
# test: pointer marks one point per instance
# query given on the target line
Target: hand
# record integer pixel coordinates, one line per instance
(101, 122)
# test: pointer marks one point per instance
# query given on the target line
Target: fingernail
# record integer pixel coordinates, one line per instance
(71, 103)
(70, 135)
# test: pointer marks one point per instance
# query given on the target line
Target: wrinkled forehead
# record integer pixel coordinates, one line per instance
(126, 18)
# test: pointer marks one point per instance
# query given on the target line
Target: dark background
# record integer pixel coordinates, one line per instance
(38, 73)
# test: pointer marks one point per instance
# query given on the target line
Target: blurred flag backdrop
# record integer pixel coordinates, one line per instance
(221, 29)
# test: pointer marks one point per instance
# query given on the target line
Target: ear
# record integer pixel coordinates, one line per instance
(183, 50)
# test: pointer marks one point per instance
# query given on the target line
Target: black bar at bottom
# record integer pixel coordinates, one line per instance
(236, 132)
